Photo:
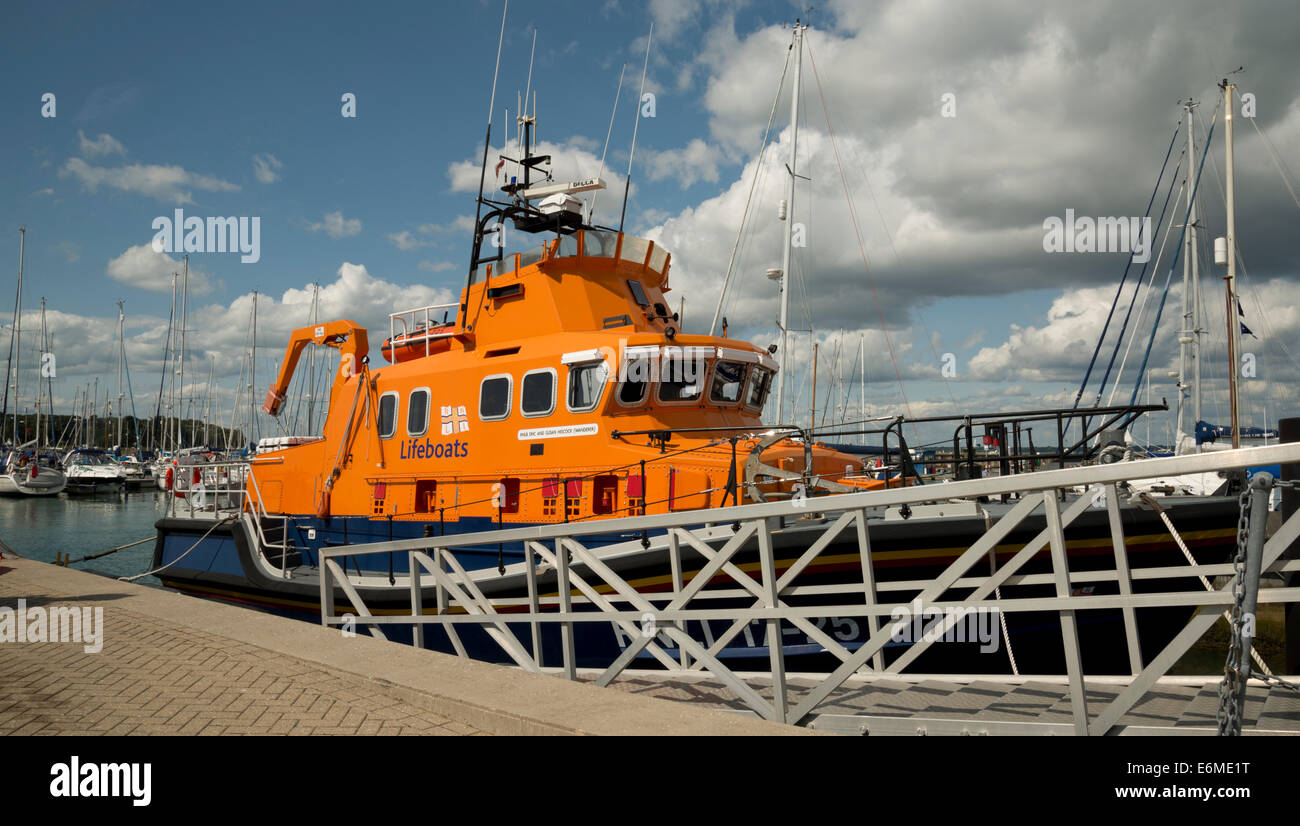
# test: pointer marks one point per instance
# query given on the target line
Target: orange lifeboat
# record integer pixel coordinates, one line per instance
(418, 343)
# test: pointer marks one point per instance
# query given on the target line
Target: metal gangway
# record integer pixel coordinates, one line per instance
(589, 590)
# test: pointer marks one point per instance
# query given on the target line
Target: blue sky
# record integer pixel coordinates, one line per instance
(1056, 111)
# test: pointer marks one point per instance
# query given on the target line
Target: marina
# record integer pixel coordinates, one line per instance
(631, 461)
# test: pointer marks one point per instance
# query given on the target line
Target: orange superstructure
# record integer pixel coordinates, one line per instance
(562, 391)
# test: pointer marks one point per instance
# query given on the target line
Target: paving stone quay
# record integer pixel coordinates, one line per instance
(171, 664)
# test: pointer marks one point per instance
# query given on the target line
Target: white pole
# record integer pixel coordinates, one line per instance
(18, 326)
(1234, 323)
(789, 222)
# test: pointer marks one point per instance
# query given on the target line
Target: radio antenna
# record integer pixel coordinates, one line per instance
(627, 183)
(591, 214)
(487, 144)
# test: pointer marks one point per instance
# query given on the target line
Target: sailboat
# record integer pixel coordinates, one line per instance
(25, 470)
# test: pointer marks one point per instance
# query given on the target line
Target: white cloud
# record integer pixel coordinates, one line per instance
(105, 144)
(437, 266)
(336, 226)
(404, 240)
(166, 183)
(697, 161)
(265, 166)
(141, 266)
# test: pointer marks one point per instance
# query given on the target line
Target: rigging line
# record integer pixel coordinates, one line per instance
(1146, 296)
(862, 249)
(591, 214)
(1173, 261)
(1137, 288)
(1127, 266)
(898, 259)
(758, 164)
(1273, 154)
(1223, 197)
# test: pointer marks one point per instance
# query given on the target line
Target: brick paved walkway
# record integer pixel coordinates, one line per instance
(155, 677)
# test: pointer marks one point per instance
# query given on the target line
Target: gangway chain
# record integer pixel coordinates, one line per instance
(588, 588)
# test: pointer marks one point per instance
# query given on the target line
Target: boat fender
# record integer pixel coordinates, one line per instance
(35, 470)
(170, 476)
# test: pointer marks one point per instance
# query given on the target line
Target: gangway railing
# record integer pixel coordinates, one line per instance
(588, 588)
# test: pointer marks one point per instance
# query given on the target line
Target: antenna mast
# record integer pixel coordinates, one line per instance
(627, 184)
(789, 223)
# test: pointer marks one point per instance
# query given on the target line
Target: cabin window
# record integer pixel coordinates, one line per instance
(426, 491)
(635, 381)
(586, 385)
(638, 293)
(506, 495)
(728, 382)
(387, 418)
(537, 392)
(417, 412)
(760, 381)
(494, 398)
(682, 378)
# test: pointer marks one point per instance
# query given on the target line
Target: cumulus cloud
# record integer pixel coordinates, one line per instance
(141, 266)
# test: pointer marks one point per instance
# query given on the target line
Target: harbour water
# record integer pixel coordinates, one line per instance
(41, 527)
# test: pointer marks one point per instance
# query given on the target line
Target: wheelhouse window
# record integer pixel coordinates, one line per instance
(728, 382)
(417, 412)
(387, 418)
(760, 382)
(638, 292)
(537, 392)
(494, 398)
(586, 386)
(681, 377)
(634, 384)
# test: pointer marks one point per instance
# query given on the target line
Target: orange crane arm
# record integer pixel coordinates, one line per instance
(348, 337)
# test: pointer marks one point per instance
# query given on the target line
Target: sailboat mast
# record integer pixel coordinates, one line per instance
(1234, 323)
(121, 351)
(1188, 344)
(252, 383)
(185, 300)
(311, 362)
(789, 223)
(45, 349)
(1194, 257)
(18, 330)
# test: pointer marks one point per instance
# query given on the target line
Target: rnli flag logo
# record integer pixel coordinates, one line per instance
(454, 422)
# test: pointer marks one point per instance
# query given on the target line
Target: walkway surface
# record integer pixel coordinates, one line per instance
(176, 665)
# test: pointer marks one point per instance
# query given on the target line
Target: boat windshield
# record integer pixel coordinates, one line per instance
(590, 243)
